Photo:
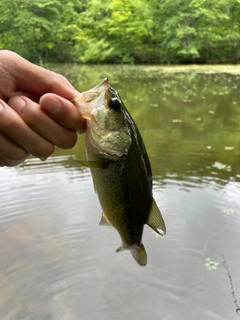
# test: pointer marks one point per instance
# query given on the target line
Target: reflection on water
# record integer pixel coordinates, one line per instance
(56, 262)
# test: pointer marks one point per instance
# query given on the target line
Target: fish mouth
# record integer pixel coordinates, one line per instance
(95, 92)
(103, 86)
(87, 100)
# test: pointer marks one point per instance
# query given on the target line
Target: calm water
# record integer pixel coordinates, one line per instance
(56, 262)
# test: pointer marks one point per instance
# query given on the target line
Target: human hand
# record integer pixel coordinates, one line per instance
(35, 112)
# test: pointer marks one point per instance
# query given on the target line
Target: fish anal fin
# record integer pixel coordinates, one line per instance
(155, 220)
(95, 164)
(104, 222)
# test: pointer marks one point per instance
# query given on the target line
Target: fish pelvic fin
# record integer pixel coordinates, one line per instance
(155, 220)
(138, 253)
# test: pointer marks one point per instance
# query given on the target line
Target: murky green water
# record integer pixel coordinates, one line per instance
(56, 262)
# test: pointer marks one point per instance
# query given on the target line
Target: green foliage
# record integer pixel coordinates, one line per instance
(231, 212)
(37, 29)
(211, 265)
(112, 31)
(122, 31)
(222, 166)
(198, 29)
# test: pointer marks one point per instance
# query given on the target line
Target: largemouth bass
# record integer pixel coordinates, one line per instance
(120, 168)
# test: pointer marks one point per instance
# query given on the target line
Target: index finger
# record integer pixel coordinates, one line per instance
(32, 78)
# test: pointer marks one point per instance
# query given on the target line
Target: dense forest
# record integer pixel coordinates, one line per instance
(122, 31)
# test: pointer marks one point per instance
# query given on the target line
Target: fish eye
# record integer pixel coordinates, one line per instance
(115, 104)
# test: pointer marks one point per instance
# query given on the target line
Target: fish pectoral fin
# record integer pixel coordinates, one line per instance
(155, 220)
(103, 222)
(95, 164)
(89, 164)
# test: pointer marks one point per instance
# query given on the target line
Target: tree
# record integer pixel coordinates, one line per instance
(122, 31)
(196, 30)
(113, 31)
(37, 29)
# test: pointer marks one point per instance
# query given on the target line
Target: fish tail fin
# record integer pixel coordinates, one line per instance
(140, 255)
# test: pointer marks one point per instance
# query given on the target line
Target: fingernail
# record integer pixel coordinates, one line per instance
(17, 103)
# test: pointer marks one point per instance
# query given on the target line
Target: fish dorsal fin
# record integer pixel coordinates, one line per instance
(103, 222)
(155, 220)
(95, 164)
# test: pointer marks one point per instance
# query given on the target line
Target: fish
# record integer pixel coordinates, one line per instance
(120, 168)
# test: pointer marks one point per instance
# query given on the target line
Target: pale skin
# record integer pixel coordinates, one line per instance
(35, 111)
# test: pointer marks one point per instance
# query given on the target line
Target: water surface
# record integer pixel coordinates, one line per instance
(56, 262)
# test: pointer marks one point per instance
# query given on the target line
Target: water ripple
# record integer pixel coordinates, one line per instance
(34, 183)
